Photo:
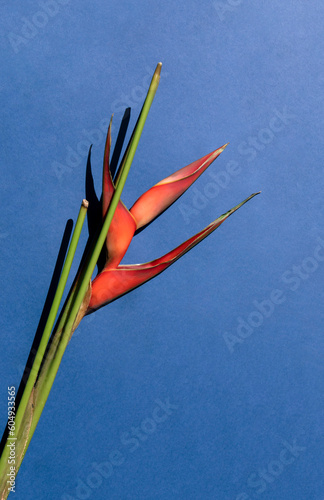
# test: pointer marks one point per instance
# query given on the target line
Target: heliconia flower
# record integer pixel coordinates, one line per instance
(115, 279)
(106, 249)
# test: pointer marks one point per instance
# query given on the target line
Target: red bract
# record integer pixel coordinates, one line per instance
(115, 279)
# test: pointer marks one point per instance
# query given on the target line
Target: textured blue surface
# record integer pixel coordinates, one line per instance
(231, 336)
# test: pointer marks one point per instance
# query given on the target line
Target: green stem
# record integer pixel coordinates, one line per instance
(132, 146)
(53, 312)
(47, 376)
(46, 333)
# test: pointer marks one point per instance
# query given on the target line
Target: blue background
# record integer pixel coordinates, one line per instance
(242, 71)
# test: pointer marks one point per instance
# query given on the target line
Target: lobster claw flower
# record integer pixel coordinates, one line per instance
(115, 279)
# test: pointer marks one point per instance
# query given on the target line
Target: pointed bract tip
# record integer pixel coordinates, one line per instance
(232, 210)
(223, 147)
(218, 151)
(158, 68)
(85, 203)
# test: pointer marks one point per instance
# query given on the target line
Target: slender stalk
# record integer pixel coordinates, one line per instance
(131, 148)
(67, 323)
(46, 334)
(53, 311)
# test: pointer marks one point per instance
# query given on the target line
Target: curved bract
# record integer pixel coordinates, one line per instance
(115, 279)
